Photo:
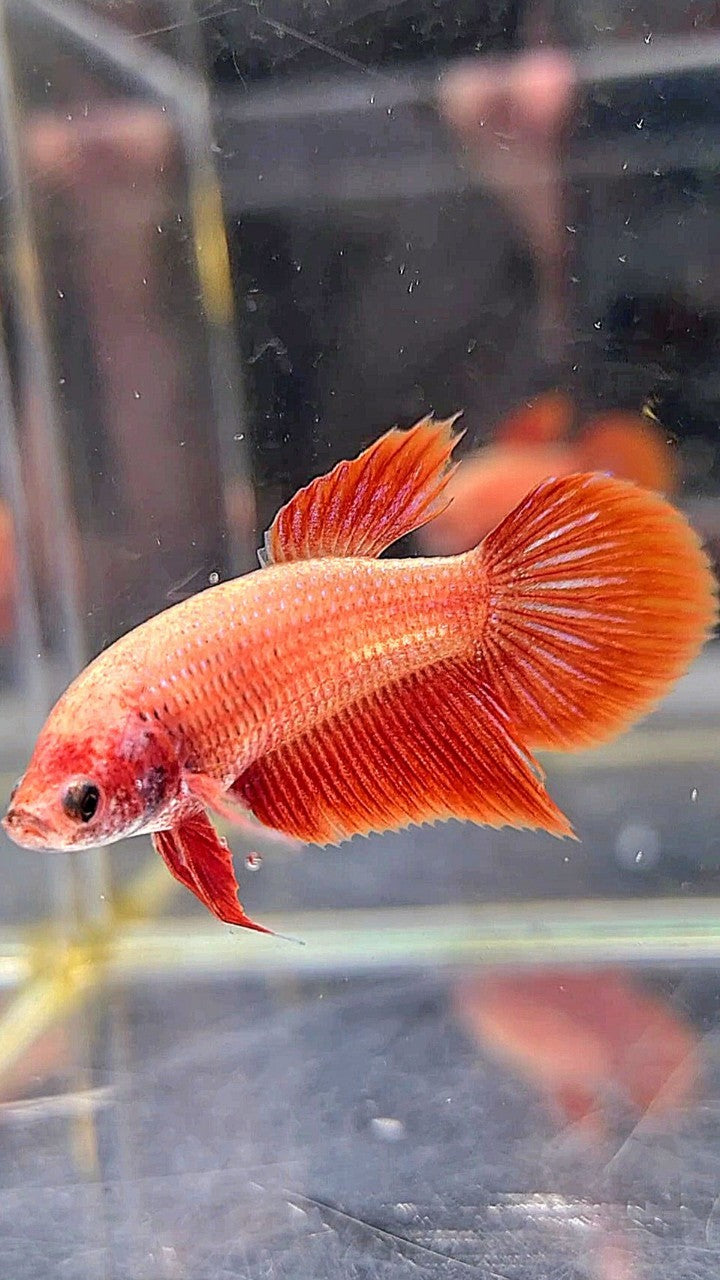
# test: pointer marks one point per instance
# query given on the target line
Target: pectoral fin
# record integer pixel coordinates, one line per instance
(228, 805)
(196, 856)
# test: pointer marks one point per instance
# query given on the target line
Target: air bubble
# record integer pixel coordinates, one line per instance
(213, 578)
(253, 861)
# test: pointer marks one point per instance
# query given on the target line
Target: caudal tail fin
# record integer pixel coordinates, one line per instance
(600, 598)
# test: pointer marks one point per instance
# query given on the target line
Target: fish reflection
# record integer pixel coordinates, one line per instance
(534, 443)
(592, 1043)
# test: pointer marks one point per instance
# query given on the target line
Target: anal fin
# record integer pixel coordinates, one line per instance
(433, 746)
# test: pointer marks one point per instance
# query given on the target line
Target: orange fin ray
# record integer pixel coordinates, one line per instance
(363, 506)
(201, 861)
(435, 745)
(226, 805)
(600, 598)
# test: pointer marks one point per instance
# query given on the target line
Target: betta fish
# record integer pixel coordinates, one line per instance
(534, 442)
(332, 692)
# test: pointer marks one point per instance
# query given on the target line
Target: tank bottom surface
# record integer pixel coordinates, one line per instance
(553, 1122)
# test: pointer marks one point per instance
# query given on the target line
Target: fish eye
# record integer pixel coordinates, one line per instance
(81, 800)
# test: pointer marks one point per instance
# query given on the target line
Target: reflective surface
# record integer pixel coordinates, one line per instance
(236, 246)
(507, 1125)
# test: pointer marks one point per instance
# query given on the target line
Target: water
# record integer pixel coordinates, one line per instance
(496, 1053)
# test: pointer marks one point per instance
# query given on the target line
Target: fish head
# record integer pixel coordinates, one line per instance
(83, 789)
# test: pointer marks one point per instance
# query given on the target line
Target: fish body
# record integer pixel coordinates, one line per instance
(234, 671)
(331, 693)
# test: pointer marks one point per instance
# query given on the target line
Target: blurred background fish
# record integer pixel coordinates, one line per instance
(535, 442)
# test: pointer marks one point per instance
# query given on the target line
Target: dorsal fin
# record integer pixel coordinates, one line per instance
(363, 506)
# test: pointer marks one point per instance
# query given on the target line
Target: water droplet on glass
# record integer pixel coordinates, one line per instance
(253, 861)
(213, 578)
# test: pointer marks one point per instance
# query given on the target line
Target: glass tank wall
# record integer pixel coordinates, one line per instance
(238, 243)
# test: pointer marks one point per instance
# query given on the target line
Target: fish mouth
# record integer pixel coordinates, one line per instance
(27, 829)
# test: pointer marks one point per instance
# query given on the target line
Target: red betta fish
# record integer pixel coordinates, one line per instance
(332, 693)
